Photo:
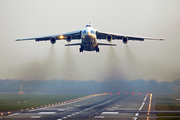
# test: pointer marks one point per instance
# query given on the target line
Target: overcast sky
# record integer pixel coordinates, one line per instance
(30, 60)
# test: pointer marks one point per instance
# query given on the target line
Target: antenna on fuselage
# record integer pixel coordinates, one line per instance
(90, 23)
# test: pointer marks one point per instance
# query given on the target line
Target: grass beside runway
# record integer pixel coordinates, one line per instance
(168, 106)
(167, 97)
(168, 118)
(12, 102)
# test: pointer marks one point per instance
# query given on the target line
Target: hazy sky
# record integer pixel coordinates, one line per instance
(30, 60)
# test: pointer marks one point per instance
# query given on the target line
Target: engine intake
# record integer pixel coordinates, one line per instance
(109, 38)
(68, 38)
(53, 40)
(125, 40)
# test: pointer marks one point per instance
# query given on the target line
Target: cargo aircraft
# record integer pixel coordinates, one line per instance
(88, 37)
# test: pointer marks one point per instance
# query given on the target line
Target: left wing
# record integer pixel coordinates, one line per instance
(74, 35)
(102, 35)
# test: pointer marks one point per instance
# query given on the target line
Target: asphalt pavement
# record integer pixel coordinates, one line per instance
(103, 107)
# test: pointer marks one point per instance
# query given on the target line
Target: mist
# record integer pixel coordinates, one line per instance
(147, 60)
(89, 87)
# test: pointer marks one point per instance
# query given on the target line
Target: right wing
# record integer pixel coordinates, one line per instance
(102, 35)
(107, 44)
(74, 35)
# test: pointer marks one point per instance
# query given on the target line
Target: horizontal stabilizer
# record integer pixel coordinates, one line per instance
(72, 44)
(107, 44)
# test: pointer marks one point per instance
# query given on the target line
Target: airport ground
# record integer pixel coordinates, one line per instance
(106, 106)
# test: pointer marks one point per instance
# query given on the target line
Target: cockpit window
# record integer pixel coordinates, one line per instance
(92, 31)
(84, 31)
(88, 25)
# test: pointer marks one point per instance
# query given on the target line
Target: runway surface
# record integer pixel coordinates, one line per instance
(106, 107)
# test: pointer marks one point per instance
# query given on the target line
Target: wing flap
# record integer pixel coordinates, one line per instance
(73, 44)
(107, 44)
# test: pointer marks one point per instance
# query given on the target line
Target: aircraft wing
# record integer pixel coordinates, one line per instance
(102, 35)
(74, 35)
(107, 44)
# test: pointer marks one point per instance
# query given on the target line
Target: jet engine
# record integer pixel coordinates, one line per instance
(109, 38)
(68, 38)
(125, 40)
(53, 40)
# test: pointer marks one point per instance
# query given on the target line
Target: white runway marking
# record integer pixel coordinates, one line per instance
(35, 116)
(115, 107)
(134, 118)
(118, 105)
(141, 106)
(46, 112)
(69, 116)
(64, 117)
(62, 104)
(136, 114)
(61, 109)
(145, 98)
(59, 119)
(13, 114)
(70, 107)
(77, 105)
(99, 117)
(110, 113)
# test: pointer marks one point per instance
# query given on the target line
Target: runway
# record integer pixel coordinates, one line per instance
(106, 107)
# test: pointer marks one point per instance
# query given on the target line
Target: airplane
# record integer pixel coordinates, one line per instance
(88, 37)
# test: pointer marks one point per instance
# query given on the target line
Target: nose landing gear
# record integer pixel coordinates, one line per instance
(80, 50)
(97, 48)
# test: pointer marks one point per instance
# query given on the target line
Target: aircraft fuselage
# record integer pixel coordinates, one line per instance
(89, 40)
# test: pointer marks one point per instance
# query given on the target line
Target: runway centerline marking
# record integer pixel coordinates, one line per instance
(141, 106)
(145, 98)
(94, 107)
(137, 114)
(13, 114)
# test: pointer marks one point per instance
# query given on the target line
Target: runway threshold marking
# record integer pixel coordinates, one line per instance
(61, 110)
(112, 113)
(99, 117)
(35, 116)
(13, 114)
(46, 112)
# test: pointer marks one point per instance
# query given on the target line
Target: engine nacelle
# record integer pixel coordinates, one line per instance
(125, 40)
(53, 40)
(68, 38)
(109, 38)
